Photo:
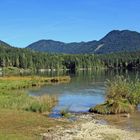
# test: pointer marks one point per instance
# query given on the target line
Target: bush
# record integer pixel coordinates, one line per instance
(42, 104)
(65, 113)
(124, 88)
(122, 96)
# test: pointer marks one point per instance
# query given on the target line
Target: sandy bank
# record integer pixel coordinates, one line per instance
(88, 128)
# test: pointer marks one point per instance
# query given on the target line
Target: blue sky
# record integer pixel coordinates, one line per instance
(25, 21)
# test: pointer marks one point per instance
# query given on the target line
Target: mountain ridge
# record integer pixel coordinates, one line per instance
(114, 41)
(4, 44)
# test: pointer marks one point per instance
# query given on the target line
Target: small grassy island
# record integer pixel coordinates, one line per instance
(22, 116)
(122, 96)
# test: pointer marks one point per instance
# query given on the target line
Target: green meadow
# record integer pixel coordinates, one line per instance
(22, 116)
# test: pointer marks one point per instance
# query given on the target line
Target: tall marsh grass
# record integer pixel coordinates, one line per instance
(17, 82)
(42, 104)
(123, 89)
(12, 96)
(122, 96)
(21, 101)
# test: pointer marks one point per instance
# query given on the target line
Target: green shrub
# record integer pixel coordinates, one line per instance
(11, 96)
(42, 104)
(124, 88)
(65, 113)
(122, 96)
(38, 107)
(34, 107)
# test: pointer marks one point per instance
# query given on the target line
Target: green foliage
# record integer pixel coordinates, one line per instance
(14, 100)
(65, 113)
(27, 59)
(20, 101)
(42, 104)
(101, 109)
(123, 88)
(11, 98)
(17, 118)
(16, 83)
(123, 47)
(123, 95)
(113, 107)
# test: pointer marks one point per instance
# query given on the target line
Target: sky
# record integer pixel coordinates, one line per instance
(23, 22)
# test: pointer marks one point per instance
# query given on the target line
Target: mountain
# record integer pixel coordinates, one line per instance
(4, 45)
(119, 41)
(52, 46)
(114, 41)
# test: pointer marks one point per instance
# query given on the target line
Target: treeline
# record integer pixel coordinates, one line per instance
(27, 59)
(127, 60)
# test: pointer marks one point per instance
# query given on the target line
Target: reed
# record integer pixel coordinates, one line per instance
(16, 82)
(12, 96)
(22, 116)
(122, 96)
(42, 104)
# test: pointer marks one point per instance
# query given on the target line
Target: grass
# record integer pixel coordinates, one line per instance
(124, 88)
(22, 125)
(12, 83)
(123, 96)
(42, 104)
(21, 101)
(12, 96)
(22, 116)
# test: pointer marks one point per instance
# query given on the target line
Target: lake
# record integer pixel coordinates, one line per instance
(86, 89)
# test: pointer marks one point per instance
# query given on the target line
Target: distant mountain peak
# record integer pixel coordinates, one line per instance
(114, 41)
(121, 32)
(4, 44)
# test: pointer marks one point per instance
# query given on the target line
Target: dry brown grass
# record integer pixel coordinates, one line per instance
(38, 78)
(21, 125)
(16, 82)
(15, 122)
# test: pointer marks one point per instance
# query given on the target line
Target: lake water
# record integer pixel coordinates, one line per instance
(86, 89)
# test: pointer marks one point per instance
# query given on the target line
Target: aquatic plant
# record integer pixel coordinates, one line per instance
(17, 108)
(122, 96)
(13, 97)
(65, 113)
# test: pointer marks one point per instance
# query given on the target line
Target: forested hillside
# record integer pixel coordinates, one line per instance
(25, 58)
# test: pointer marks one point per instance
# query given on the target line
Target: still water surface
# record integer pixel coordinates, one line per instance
(86, 89)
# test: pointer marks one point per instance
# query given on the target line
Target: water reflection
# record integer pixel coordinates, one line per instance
(86, 89)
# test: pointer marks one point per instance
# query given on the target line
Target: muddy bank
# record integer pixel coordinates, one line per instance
(88, 128)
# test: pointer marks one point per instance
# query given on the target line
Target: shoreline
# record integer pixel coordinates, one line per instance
(88, 128)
